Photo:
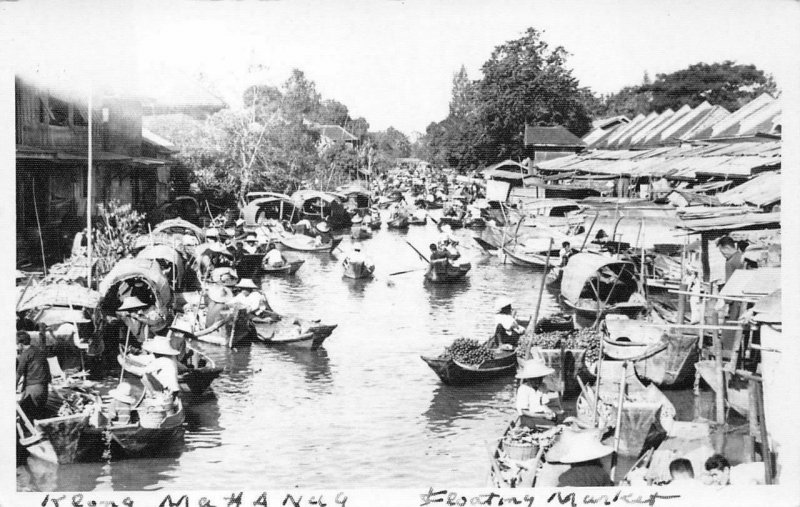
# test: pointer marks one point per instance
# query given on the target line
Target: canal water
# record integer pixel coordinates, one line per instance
(364, 411)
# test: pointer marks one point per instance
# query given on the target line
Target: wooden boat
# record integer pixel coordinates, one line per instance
(444, 271)
(453, 222)
(737, 399)
(417, 220)
(670, 361)
(360, 232)
(628, 339)
(191, 380)
(453, 372)
(475, 223)
(507, 471)
(57, 439)
(303, 243)
(286, 268)
(154, 430)
(595, 285)
(530, 260)
(230, 331)
(357, 270)
(309, 335)
(400, 222)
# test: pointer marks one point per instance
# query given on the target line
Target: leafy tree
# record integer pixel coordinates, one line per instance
(332, 112)
(359, 127)
(392, 143)
(526, 82)
(724, 84)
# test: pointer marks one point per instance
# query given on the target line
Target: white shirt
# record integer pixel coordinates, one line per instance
(274, 257)
(250, 248)
(532, 400)
(507, 321)
(165, 371)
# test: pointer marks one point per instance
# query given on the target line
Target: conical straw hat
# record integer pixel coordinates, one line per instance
(160, 345)
(534, 369)
(578, 446)
(131, 303)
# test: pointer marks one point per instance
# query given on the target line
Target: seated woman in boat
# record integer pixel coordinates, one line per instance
(119, 411)
(303, 227)
(247, 295)
(140, 318)
(531, 399)
(324, 237)
(581, 450)
(565, 253)
(218, 298)
(163, 369)
(508, 330)
(250, 244)
(273, 257)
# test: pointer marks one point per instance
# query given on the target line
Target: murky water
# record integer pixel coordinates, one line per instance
(365, 411)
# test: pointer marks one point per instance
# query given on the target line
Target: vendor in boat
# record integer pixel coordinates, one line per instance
(508, 330)
(119, 410)
(531, 399)
(565, 253)
(324, 237)
(303, 227)
(178, 333)
(164, 368)
(247, 295)
(139, 318)
(581, 450)
(437, 253)
(273, 257)
(33, 375)
(218, 298)
(250, 244)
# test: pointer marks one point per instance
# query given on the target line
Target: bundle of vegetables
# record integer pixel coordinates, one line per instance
(521, 435)
(587, 339)
(468, 351)
(72, 404)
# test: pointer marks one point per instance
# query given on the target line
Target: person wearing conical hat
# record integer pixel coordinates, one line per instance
(247, 295)
(581, 450)
(164, 368)
(139, 317)
(532, 400)
(250, 244)
(508, 330)
(324, 234)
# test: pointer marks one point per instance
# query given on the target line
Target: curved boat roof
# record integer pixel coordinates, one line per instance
(250, 212)
(581, 268)
(57, 294)
(144, 269)
(179, 223)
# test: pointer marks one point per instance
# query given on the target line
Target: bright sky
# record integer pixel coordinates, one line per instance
(389, 61)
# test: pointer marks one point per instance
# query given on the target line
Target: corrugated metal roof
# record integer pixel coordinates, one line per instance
(623, 130)
(729, 123)
(733, 222)
(556, 136)
(762, 190)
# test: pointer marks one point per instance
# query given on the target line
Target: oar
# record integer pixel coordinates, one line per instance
(406, 271)
(421, 255)
(431, 217)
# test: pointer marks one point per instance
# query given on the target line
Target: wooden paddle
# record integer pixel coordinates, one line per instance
(406, 271)
(421, 255)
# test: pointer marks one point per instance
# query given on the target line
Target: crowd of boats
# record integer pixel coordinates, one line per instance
(622, 338)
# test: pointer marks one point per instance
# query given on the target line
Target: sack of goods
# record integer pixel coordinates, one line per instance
(468, 351)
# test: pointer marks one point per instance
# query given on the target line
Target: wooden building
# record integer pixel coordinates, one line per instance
(52, 135)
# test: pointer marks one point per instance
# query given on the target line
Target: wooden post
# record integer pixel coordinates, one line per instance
(720, 374)
(683, 287)
(704, 257)
(539, 302)
(89, 196)
(618, 428)
(766, 455)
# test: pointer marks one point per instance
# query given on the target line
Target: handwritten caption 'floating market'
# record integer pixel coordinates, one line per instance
(452, 498)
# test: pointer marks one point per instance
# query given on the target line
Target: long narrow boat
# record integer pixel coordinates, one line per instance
(229, 331)
(453, 222)
(530, 260)
(444, 271)
(311, 335)
(56, 439)
(154, 430)
(400, 222)
(507, 471)
(286, 268)
(416, 220)
(453, 372)
(303, 243)
(357, 270)
(191, 380)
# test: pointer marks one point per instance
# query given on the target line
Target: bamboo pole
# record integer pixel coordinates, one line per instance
(539, 302)
(720, 374)
(589, 231)
(38, 225)
(597, 385)
(617, 429)
(682, 286)
(89, 183)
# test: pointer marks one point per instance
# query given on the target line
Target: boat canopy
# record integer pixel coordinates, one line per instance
(142, 278)
(57, 294)
(252, 196)
(179, 226)
(582, 267)
(164, 253)
(280, 208)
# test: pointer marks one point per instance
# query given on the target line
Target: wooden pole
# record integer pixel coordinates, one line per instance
(38, 226)
(683, 287)
(720, 374)
(89, 183)
(704, 257)
(766, 455)
(539, 302)
(617, 429)
(597, 386)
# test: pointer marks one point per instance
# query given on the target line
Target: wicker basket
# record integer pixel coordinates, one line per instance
(519, 451)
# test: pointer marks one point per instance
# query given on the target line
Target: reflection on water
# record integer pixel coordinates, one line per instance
(365, 411)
